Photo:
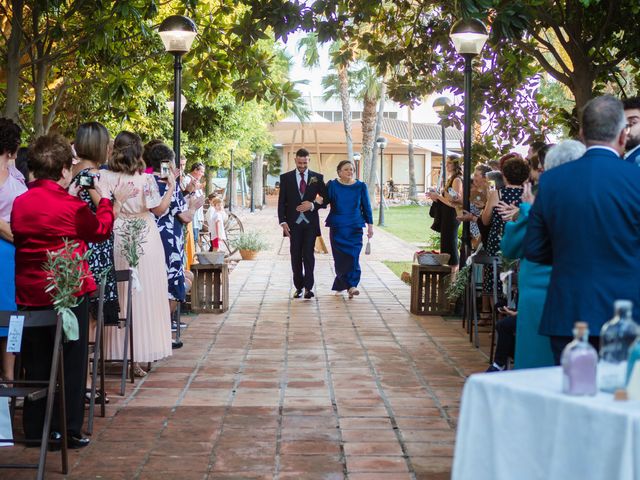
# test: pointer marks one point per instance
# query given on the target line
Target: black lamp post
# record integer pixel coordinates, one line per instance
(468, 37)
(264, 182)
(177, 34)
(382, 144)
(439, 106)
(356, 159)
(231, 178)
(252, 208)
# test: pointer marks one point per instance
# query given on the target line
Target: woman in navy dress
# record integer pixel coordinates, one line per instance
(350, 211)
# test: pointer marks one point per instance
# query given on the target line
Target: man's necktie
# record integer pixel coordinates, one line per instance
(303, 184)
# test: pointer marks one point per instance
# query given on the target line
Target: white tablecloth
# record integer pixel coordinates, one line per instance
(518, 425)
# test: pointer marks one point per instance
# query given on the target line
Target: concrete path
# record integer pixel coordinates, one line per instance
(276, 388)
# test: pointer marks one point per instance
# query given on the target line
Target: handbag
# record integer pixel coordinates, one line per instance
(367, 249)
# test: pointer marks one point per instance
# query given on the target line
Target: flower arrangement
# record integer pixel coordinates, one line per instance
(133, 234)
(457, 287)
(66, 276)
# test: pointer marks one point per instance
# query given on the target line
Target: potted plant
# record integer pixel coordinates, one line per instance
(249, 244)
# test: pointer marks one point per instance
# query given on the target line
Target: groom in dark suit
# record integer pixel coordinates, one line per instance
(585, 222)
(298, 217)
(632, 114)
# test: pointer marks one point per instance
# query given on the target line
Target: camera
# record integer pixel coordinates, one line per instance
(87, 179)
(165, 168)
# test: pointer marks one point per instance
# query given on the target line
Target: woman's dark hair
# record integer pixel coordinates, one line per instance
(196, 166)
(484, 169)
(457, 170)
(9, 136)
(516, 171)
(159, 153)
(342, 164)
(508, 156)
(92, 142)
(127, 154)
(147, 148)
(22, 162)
(48, 155)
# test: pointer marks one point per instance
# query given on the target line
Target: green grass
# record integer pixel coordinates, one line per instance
(398, 267)
(411, 223)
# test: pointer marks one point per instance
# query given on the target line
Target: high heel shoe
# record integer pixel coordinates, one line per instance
(138, 371)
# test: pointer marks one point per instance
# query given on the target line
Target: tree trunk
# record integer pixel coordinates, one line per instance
(210, 184)
(41, 70)
(373, 167)
(368, 142)
(413, 192)
(346, 108)
(12, 104)
(256, 179)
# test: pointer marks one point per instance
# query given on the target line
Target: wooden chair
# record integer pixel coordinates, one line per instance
(479, 260)
(38, 389)
(97, 349)
(127, 324)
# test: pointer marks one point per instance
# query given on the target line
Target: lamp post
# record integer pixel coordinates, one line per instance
(439, 106)
(468, 37)
(264, 182)
(177, 34)
(231, 178)
(252, 208)
(356, 160)
(382, 144)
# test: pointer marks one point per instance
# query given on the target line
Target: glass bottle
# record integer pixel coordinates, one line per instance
(616, 337)
(579, 363)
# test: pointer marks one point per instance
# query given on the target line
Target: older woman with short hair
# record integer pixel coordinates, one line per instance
(40, 221)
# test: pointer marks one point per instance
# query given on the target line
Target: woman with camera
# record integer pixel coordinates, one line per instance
(41, 219)
(152, 331)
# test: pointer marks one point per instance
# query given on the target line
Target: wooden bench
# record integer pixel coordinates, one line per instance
(210, 290)
(428, 285)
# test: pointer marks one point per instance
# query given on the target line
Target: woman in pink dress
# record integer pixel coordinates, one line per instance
(151, 318)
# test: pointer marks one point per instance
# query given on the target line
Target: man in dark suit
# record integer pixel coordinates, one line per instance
(632, 114)
(585, 222)
(298, 217)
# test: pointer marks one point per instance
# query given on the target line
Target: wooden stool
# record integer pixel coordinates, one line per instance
(428, 285)
(210, 290)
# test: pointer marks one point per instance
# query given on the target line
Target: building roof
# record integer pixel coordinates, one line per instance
(421, 131)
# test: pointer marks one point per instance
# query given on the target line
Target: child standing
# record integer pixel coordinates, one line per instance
(216, 217)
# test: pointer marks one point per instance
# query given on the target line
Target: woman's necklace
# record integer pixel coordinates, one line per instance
(346, 183)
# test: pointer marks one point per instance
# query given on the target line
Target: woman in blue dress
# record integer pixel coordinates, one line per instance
(350, 211)
(170, 223)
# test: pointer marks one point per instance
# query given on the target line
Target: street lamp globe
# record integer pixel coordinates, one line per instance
(440, 104)
(177, 34)
(381, 142)
(468, 36)
(183, 103)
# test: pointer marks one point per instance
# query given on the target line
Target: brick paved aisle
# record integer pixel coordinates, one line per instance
(277, 388)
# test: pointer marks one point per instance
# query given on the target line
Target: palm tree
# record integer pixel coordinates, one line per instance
(342, 56)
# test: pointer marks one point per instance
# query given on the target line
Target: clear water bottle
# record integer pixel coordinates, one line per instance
(616, 337)
(579, 363)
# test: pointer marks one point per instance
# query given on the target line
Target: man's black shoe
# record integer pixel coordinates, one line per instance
(73, 442)
(176, 345)
(308, 294)
(297, 294)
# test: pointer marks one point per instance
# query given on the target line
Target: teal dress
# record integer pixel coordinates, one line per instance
(532, 349)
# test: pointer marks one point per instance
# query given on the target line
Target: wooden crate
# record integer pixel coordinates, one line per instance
(210, 290)
(428, 285)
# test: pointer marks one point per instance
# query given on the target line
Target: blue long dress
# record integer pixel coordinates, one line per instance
(532, 349)
(350, 211)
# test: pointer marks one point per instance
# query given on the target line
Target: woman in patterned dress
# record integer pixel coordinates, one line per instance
(516, 172)
(170, 224)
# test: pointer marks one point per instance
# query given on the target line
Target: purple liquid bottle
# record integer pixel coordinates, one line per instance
(579, 363)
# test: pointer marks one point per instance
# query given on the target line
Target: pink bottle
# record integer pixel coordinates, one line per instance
(579, 363)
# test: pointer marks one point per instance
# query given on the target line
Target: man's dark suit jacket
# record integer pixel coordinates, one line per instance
(634, 158)
(289, 198)
(586, 223)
